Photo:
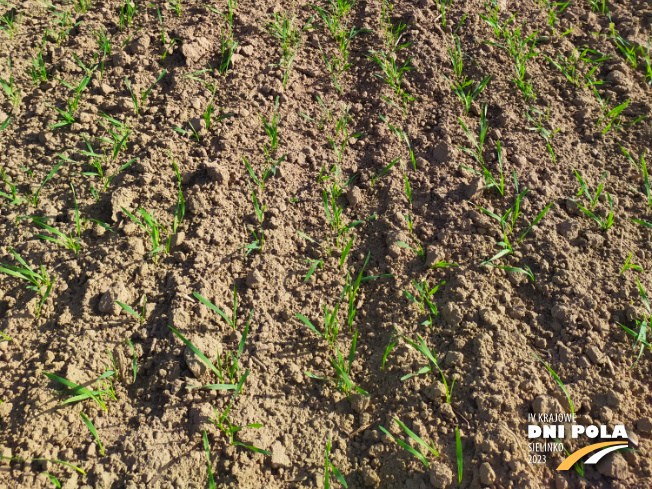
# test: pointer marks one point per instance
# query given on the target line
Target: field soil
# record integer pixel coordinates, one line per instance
(490, 321)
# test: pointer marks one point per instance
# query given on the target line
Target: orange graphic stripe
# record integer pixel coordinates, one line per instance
(574, 457)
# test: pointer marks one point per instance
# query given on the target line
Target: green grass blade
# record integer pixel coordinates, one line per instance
(93, 431)
(194, 349)
(212, 306)
(460, 458)
(559, 382)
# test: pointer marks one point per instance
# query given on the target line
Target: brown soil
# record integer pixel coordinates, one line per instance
(490, 321)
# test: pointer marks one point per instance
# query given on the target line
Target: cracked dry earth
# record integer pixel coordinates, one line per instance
(490, 320)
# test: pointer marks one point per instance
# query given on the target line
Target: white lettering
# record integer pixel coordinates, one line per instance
(577, 430)
(533, 431)
(592, 431)
(620, 432)
(549, 431)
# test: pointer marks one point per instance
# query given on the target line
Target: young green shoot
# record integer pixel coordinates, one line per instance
(643, 167)
(152, 227)
(466, 91)
(628, 266)
(326, 114)
(422, 298)
(559, 382)
(180, 208)
(268, 170)
(40, 282)
(11, 91)
(460, 457)
(13, 198)
(95, 161)
(384, 171)
(507, 223)
(329, 467)
(541, 128)
(640, 336)
(138, 99)
(134, 360)
(612, 117)
(37, 70)
(176, 6)
(281, 26)
(219, 372)
(130, 310)
(313, 267)
(393, 341)
(233, 320)
(5, 124)
(9, 22)
(271, 128)
(604, 220)
(258, 232)
(31, 460)
(351, 288)
(584, 188)
(228, 428)
(91, 428)
(207, 451)
(331, 329)
(418, 452)
(68, 241)
(119, 133)
(392, 74)
(342, 366)
(77, 393)
(228, 46)
(421, 346)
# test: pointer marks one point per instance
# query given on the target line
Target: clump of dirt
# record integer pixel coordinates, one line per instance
(339, 210)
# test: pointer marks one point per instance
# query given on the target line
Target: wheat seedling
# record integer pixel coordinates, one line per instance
(392, 74)
(329, 467)
(431, 357)
(31, 460)
(13, 198)
(640, 337)
(331, 329)
(37, 71)
(152, 227)
(281, 26)
(139, 100)
(207, 451)
(604, 221)
(228, 428)
(629, 265)
(12, 92)
(79, 393)
(130, 310)
(342, 367)
(34, 198)
(584, 188)
(91, 428)
(460, 457)
(217, 371)
(230, 321)
(326, 116)
(418, 452)
(68, 241)
(40, 282)
(643, 166)
(9, 22)
(559, 382)
(424, 293)
(539, 127)
(5, 124)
